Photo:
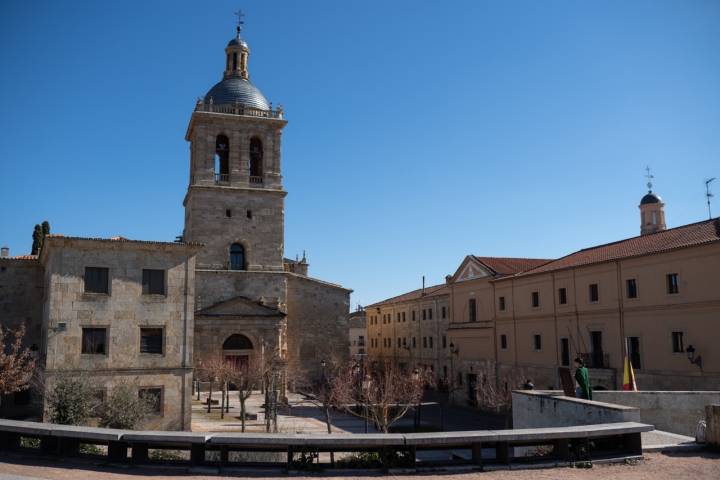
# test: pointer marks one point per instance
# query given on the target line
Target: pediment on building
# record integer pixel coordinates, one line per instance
(470, 269)
(242, 307)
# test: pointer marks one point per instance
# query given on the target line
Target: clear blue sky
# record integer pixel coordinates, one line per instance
(419, 131)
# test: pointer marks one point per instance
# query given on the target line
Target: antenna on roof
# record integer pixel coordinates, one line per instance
(709, 195)
(423, 288)
(649, 178)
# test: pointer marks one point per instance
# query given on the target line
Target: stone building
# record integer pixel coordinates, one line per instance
(653, 297)
(411, 330)
(357, 332)
(229, 290)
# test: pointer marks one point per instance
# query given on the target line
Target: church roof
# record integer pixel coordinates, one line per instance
(237, 90)
(694, 234)
(650, 197)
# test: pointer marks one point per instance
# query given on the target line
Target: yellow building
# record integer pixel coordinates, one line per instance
(655, 297)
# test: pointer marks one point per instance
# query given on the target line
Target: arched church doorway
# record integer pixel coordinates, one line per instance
(237, 349)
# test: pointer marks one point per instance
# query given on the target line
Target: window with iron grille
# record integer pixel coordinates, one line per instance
(537, 341)
(631, 288)
(535, 299)
(593, 292)
(672, 283)
(96, 279)
(501, 304)
(153, 396)
(94, 341)
(562, 296)
(153, 282)
(151, 340)
(677, 342)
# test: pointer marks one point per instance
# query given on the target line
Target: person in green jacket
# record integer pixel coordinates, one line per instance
(583, 380)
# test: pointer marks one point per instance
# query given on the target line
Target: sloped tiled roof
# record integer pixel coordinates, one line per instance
(691, 235)
(432, 291)
(119, 239)
(510, 266)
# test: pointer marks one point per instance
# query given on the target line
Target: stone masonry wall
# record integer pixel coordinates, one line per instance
(317, 325)
(122, 312)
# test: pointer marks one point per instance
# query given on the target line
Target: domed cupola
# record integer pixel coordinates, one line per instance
(652, 210)
(235, 88)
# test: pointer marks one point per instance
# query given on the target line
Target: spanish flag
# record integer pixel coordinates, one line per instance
(629, 376)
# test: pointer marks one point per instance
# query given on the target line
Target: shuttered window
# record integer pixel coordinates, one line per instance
(93, 341)
(151, 340)
(153, 282)
(96, 279)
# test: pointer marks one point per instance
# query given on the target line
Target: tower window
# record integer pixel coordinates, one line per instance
(249, 214)
(234, 60)
(222, 159)
(228, 213)
(256, 157)
(237, 257)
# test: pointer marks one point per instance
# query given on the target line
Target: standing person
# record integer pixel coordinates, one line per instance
(583, 380)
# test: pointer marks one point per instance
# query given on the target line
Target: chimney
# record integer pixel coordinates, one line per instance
(4, 252)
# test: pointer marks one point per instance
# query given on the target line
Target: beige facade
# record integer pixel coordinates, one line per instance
(357, 334)
(652, 296)
(411, 330)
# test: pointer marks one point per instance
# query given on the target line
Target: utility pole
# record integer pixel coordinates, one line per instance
(708, 195)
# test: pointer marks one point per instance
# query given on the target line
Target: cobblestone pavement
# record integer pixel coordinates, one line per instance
(655, 466)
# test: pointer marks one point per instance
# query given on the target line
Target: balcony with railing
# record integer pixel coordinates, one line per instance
(596, 360)
(238, 109)
(222, 178)
(256, 180)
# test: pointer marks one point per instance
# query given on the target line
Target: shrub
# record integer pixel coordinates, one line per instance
(71, 401)
(124, 408)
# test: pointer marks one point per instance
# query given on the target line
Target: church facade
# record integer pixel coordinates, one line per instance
(148, 313)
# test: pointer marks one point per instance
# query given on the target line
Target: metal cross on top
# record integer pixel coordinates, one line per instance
(649, 177)
(240, 22)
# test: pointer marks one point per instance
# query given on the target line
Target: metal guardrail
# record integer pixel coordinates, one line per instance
(577, 443)
(238, 109)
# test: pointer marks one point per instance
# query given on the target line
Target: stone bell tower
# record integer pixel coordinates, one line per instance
(235, 198)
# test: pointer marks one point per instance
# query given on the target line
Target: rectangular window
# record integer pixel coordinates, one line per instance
(598, 357)
(151, 340)
(565, 352)
(430, 342)
(96, 280)
(153, 282)
(631, 285)
(94, 341)
(444, 312)
(403, 316)
(414, 345)
(398, 342)
(430, 313)
(424, 342)
(404, 342)
(154, 398)
(472, 310)
(444, 341)
(503, 342)
(413, 315)
(672, 283)
(562, 296)
(398, 317)
(678, 345)
(634, 350)
(501, 304)
(535, 299)
(593, 292)
(537, 340)
(424, 314)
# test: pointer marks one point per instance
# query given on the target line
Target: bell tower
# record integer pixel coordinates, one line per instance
(652, 210)
(235, 199)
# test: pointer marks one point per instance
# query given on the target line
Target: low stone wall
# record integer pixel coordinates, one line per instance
(676, 412)
(542, 409)
(712, 432)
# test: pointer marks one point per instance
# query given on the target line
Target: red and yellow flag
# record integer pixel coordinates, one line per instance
(629, 376)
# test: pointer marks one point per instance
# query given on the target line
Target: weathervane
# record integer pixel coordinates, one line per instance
(240, 22)
(649, 178)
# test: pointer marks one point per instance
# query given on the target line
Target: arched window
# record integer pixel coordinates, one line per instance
(234, 61)
(237, 257)
(222, 159)
(256, 157)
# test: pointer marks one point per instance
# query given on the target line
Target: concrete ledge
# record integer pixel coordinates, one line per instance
(171, 438)
(450, 438)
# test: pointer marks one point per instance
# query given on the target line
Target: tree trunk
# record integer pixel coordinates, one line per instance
(209, 399)
(222, 401)
(328, 422)
(242, 411)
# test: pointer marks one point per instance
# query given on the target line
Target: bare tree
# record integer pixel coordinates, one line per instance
(246, 378)
(386, 392)
(17, 364)
(217, 370)
(493, 392)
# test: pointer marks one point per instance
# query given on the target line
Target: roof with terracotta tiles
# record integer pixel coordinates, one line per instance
(502, 266)
(432, 291)
(691, 235)
(119, 239)
(20, 257)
